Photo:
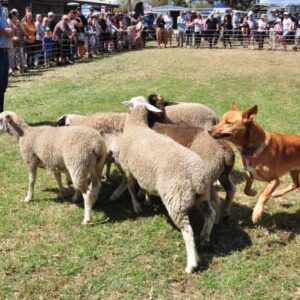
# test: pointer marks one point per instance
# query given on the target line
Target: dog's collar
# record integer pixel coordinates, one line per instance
(251, 151)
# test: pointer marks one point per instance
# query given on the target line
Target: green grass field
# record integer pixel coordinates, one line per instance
(45, 252)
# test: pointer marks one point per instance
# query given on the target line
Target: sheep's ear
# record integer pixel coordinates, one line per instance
(128, 103)
(169, 103)
(8, 118)
(152, 108)
(234, 106)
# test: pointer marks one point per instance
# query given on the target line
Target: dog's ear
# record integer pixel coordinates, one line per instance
(233, 106)
(250, 113)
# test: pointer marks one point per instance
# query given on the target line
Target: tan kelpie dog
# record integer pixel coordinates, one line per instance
(266, 156)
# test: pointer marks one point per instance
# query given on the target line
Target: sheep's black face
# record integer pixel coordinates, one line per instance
(61, 121)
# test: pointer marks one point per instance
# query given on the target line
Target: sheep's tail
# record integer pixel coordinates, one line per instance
(111, 141)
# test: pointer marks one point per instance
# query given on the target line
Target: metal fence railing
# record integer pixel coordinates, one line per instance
(68, 49)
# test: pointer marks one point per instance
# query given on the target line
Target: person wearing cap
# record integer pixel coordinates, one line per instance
(6, 33)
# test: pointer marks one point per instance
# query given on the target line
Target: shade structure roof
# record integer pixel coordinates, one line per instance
(279, 3)
(166, 8)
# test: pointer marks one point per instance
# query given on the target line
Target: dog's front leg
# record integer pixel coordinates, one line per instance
(248, 187)
(264, 196)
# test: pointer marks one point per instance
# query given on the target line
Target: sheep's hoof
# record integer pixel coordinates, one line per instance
(204, 242)
(113, 198)
(27, 199)
(138, 209)
(87, 222)
(76, 199)
(190, 269)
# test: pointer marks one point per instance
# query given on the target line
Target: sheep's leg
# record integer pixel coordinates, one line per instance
(229, 188)
(32, 177)
(68, 179)
(131, 184)
(107, 171)
(62, 191)
(119, 191)
(95, 185)
(209, 216)
(77, 196)
(181, 220)
(216, 204)
(88, 204)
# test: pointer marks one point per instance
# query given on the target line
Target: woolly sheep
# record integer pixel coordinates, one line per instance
(79, 152)
(218, 154)
(179, 176)
(105, 122)
(183, 113)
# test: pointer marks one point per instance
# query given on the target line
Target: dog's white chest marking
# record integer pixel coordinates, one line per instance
(253, 171)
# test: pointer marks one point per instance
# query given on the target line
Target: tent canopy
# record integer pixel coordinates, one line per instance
(279, 3)
(166, 8)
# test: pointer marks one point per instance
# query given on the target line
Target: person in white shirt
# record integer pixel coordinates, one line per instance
(262, 31)
(286, 28)
(199, 27)
(169, 26)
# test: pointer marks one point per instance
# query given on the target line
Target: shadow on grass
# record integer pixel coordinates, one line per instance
(228, 236)
(42, 123)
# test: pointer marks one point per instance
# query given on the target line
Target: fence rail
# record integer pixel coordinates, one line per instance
(68, 49)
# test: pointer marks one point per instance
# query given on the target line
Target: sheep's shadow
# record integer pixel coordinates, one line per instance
(42, 123)
(228, 236)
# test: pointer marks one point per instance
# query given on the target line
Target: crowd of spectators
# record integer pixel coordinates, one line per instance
(45, 40)
(281, 29)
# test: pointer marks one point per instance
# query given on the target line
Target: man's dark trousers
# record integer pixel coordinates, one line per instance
(4, 66)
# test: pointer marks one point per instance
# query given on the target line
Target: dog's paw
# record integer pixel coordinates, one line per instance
(257, 214)
(250, 193)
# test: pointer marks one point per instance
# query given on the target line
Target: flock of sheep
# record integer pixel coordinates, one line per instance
(160, 148)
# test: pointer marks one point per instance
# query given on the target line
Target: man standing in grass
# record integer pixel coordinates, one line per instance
(6, 34)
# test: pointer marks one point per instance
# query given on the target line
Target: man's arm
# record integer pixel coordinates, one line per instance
(6, 32)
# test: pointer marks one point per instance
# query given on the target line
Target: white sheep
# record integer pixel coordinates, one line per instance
(103, 122)
(177, 175)
(79, 152)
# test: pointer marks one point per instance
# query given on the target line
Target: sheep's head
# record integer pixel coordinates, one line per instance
(64, 120)
(157, 101)
(6, 117)
(140, 100)
(11, 123)
(139, 105)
